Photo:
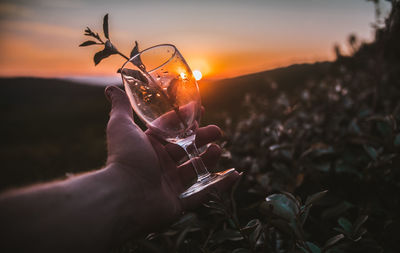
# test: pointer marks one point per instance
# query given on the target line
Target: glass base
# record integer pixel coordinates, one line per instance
(206, 182)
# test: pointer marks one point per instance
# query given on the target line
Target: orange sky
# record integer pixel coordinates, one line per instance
(219, 38)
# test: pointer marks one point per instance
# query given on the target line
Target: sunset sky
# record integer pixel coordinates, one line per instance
(219, 38)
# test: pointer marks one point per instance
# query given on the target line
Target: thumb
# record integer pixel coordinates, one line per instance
(120, 104)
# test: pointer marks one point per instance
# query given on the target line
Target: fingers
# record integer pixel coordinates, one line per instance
(200, 197)
(204, 136)
(119, 101)
(210, 159)
(207, 134)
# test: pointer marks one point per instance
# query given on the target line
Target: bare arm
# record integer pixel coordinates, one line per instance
(81, 214)
(136, 192)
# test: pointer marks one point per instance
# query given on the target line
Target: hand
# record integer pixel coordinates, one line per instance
(151, 165)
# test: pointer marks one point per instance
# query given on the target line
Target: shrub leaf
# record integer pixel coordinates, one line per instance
(283, 206)
(345, 224)
(315, 197)
(371, 152)
(333, 240)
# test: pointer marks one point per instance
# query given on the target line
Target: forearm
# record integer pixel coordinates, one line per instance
(86, 213)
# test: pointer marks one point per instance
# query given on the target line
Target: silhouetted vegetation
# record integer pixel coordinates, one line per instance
(318, 144)
(327, 134)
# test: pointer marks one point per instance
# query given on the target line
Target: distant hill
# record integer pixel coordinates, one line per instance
(227, 95)
(50, 126)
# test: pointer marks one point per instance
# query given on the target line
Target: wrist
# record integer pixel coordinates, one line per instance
(123, 186)
(145, 208)
(135, 211)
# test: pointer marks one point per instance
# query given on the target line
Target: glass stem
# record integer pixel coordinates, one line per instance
(195, 159)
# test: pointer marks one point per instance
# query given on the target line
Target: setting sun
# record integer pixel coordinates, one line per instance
(197, 75)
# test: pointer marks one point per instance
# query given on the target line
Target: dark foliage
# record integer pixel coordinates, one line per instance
(333, 140)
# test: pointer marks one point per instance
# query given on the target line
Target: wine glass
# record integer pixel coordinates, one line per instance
(164, 93)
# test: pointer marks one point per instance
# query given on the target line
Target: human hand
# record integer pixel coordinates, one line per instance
(150, 166)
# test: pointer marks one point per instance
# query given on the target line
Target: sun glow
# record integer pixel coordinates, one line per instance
(197, 75)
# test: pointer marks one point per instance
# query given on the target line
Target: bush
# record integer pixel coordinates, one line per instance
(333, 143)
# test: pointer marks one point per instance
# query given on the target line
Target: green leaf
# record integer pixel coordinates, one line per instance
(304, 213)
(250, 227)
(371, 152)
(354, 127)
(105, 26)
(311, 248)
(359, 222)
(314, 248)
(227, 235)
(304, 250)
(318, 149)
(282, 206)
(384, 128)
(315, 197)
(359, 234)
(333, 240)
(298, 231)
(216, 206)
(345, 224)
(181, 237)
(282, 226)
(88, 43)
(255, 228)
(335, 250)
(241, 250)
(292, 197)
(185, 220)
(396, 141)
(342, 231)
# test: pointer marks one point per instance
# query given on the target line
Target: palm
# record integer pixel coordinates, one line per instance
(155, 163)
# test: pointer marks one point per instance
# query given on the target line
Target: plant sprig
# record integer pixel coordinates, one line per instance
(110, 49)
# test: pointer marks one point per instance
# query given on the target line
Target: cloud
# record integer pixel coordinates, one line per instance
(39, 29)
(12, 10)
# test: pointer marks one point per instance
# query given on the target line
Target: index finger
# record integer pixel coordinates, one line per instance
(204, 135)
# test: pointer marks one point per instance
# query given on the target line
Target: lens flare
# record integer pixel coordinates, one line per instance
(197, 75)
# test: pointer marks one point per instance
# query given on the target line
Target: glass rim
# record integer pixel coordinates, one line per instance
(149, 48)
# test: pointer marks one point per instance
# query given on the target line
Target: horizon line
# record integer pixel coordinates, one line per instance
(95, 79)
